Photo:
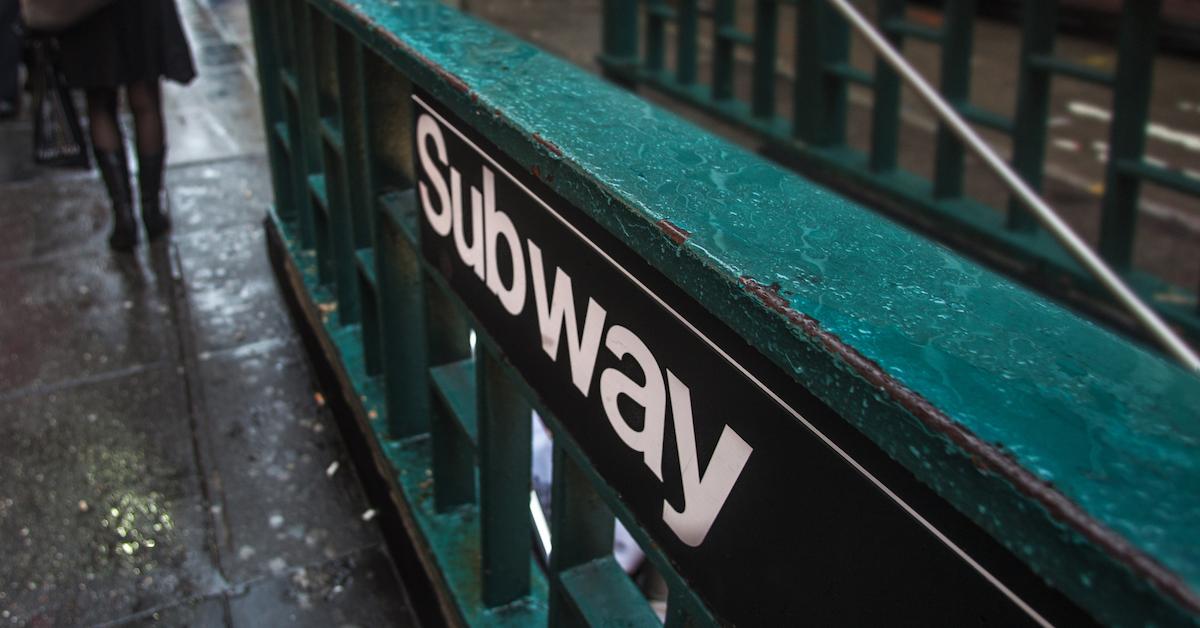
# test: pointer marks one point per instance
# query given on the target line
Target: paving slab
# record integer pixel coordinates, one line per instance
(43, 220)
(213, 195)
(204, 612)
(101, 511)
(163, 458)
(217, 116)
(81, 315)
(355, 590)
(233, 297)
(288, 492)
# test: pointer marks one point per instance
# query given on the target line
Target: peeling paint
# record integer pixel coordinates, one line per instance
(678, 234)
(548, 146)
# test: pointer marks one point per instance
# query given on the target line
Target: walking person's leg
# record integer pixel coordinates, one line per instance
(145, 99)
(10, 56)
(114, 168)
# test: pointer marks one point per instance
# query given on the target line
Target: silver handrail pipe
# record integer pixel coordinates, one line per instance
(1045, 215)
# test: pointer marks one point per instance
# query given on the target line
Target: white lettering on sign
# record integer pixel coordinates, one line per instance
(704, 492)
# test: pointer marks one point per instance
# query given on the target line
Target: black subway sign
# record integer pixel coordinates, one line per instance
(772, 507)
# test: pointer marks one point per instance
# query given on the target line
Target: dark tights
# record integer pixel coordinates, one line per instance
(145, 100)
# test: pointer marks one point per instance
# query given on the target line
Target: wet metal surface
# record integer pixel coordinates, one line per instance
(163, 458)
(1077, 141)
(1098, 421)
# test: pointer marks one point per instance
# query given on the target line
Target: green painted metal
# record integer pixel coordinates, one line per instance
(583, 534)
(657, 13)
(685, 42)
(455, 434)
(813, 136)
(766, 30)
(504, 444)
(959, 22)
(885, 120)
(620, 39)
(724, 48)
(822, 43)
(1127, 141)
(1102, 425)
(1039, 23)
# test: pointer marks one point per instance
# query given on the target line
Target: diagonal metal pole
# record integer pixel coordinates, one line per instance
(1045, 215)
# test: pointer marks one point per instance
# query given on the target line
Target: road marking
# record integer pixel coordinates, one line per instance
(1063, 143)
(1189, 141)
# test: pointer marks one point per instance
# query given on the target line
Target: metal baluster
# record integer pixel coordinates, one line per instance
(885, 115)
(581, 527)
(819, 117)
(504, 459)
(959, 20)
(766, 27)
(1137, 45)
(723, 50)
(293, 111)
(685, 43)
(269, 51)
(341, 216)
(1038, 26)
(656, 26)
(352, 88)
(309, 137)
(619, 58)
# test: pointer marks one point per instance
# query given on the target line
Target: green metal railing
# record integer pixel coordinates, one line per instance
(815, 131)
(801, 412)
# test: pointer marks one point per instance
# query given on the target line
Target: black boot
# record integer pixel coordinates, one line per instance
(115, 171)
(154, 209)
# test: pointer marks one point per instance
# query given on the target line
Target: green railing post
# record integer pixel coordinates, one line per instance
(453, 453)
(337, 194)
(294, 116)
(723, 50)
(685, 51)
(656, 26)
(504, 455)
(1137, 46)
(819, 118)
(885, 115)
(267, 52)
(959, 21)
(619, 58)
(310, 139)
(1039, 21)
(581, 527)
(406, 350)
(766, 30)
(352, 87)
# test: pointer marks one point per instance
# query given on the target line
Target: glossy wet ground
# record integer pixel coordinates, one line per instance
(164, 455)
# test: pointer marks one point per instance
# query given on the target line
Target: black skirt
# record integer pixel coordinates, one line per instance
(127, 41)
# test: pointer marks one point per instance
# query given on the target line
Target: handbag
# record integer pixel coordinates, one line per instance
(57, 135)
(56, 15)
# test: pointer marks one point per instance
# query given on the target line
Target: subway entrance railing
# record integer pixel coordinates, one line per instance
(691, 49)
(800, 412)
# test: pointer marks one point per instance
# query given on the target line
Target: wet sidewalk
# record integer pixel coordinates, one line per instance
(165, 458)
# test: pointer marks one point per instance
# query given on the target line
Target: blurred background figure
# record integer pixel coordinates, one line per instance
(130, 44)
(10, 52)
